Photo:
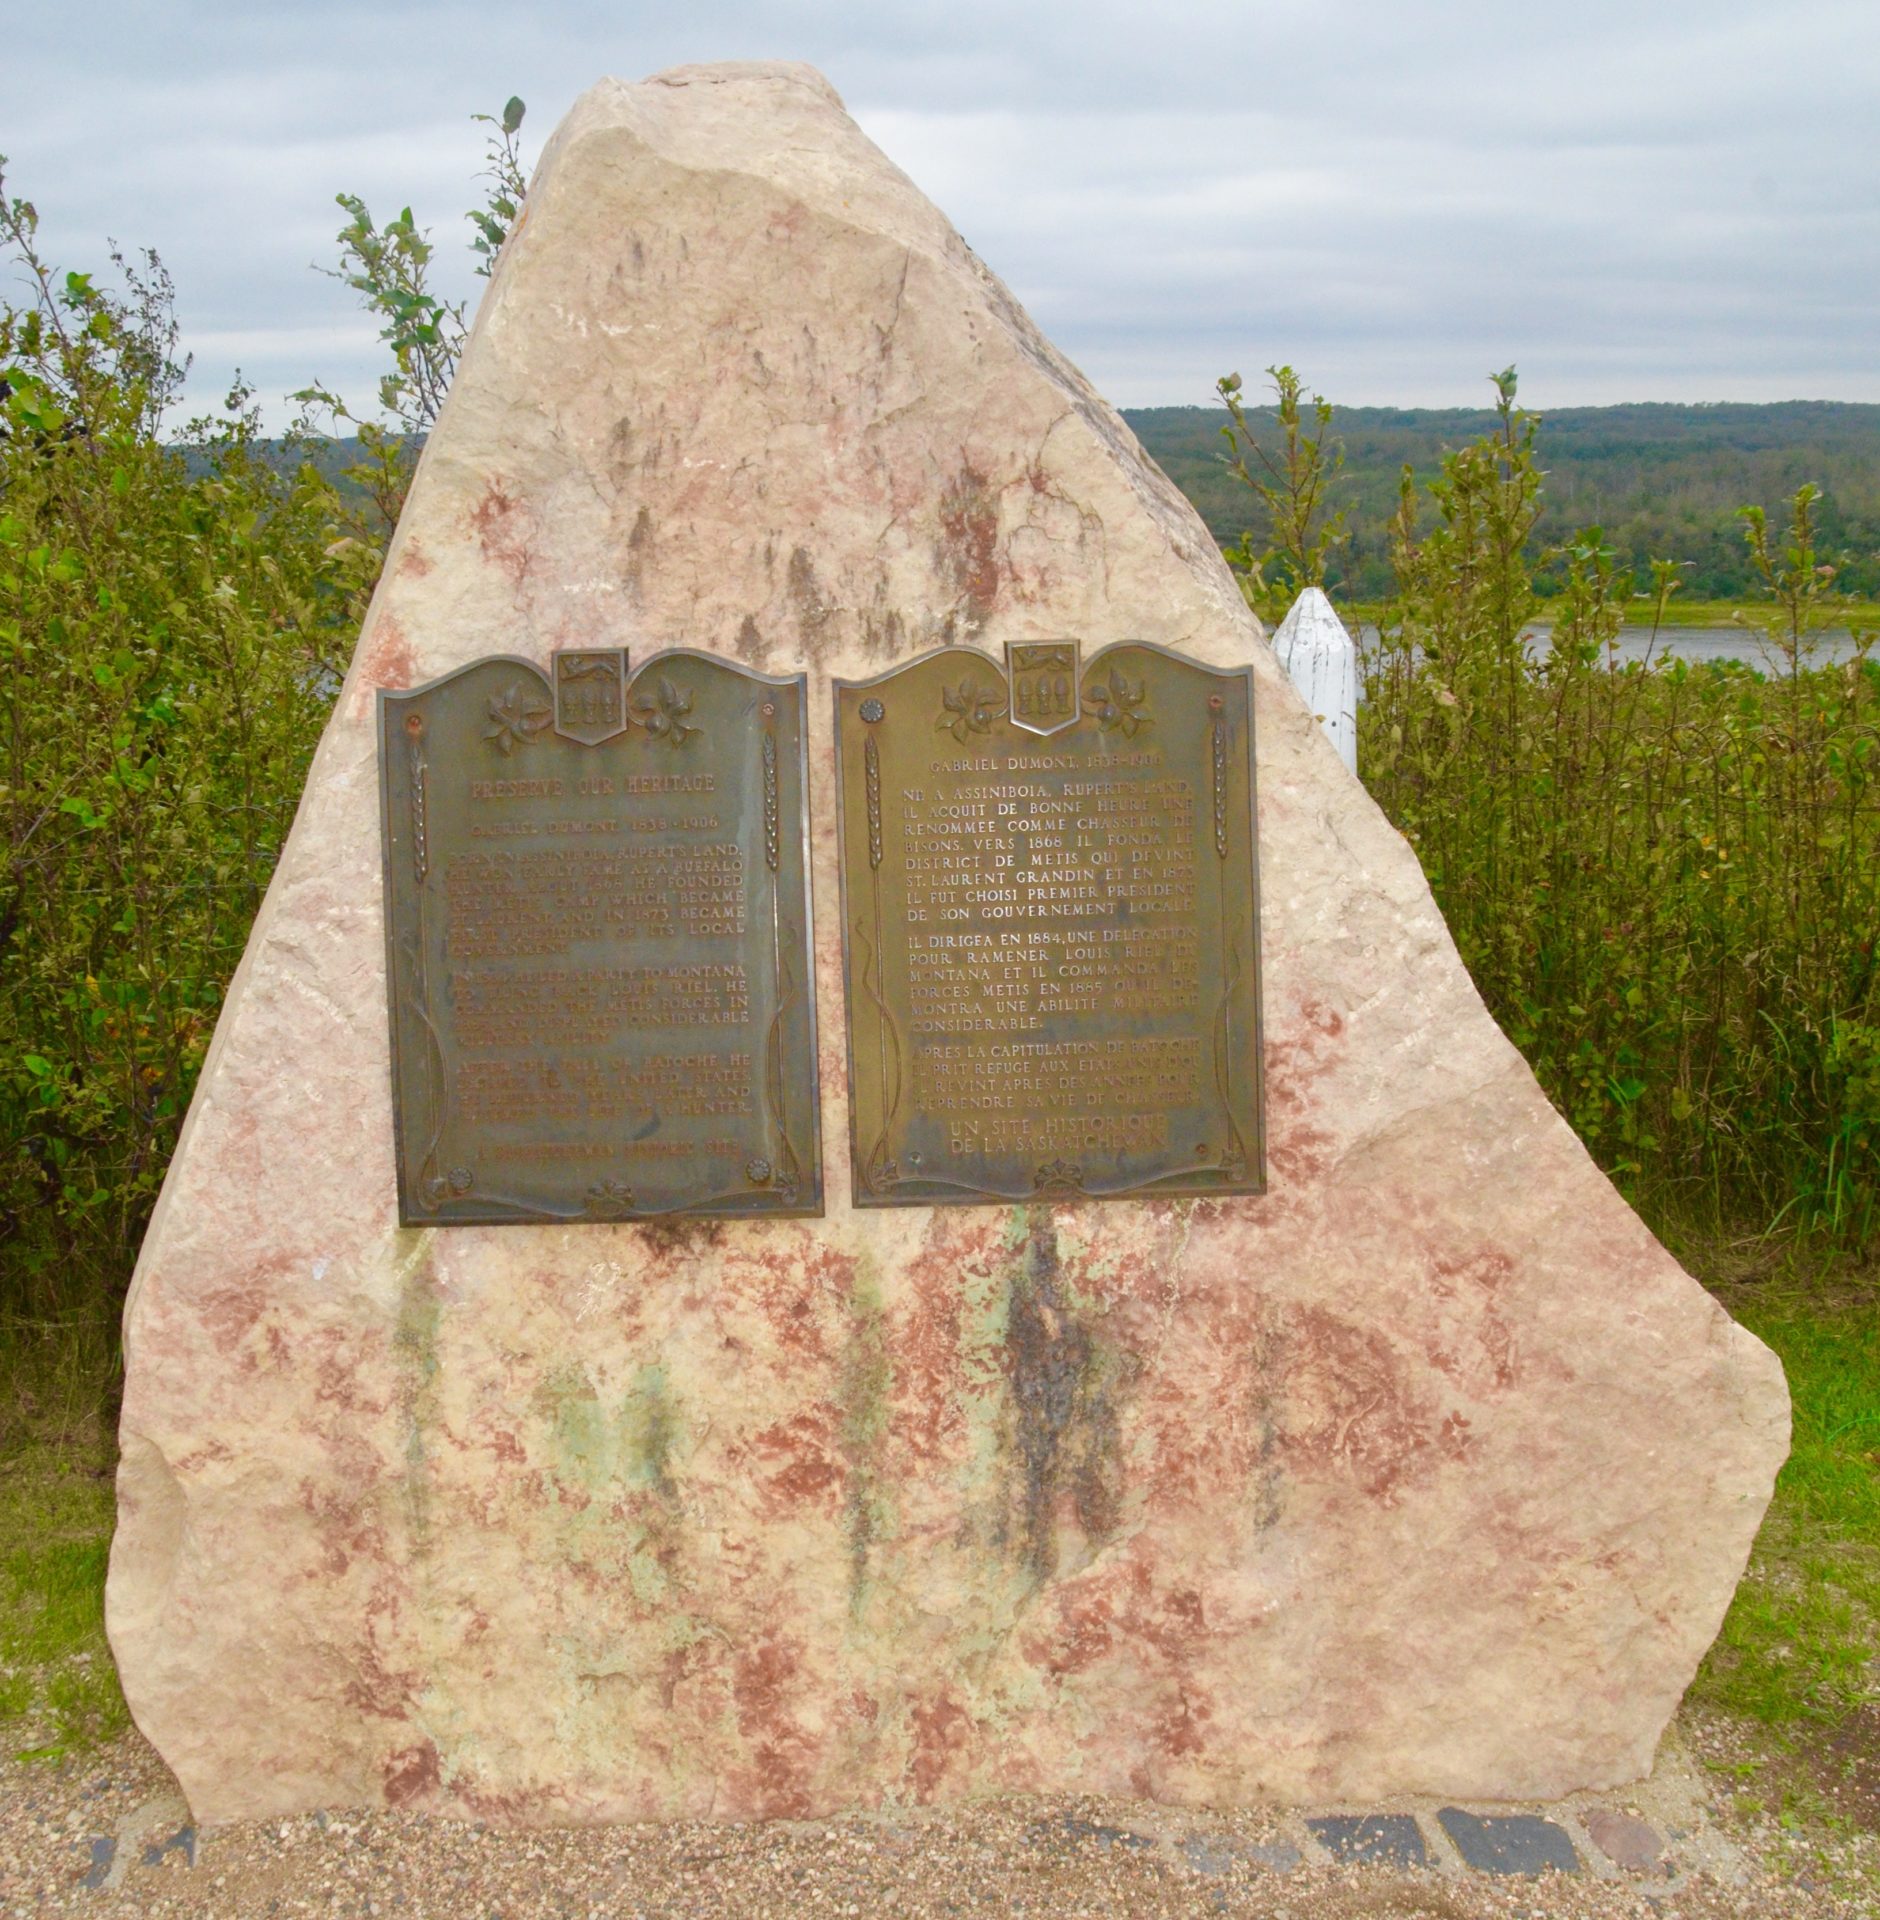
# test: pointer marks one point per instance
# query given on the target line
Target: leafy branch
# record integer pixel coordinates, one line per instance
(1292, 485)
(389, 267)
(507, 187)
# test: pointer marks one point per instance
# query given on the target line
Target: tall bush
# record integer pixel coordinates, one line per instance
(389, 268)
(176, 610)
(1664, 877)
(1294, 484)
(174, 617)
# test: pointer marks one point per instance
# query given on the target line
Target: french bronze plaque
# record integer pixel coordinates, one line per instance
(1050, 927)
(598, 941)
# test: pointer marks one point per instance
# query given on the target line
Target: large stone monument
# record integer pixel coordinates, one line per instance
(1425, 1469)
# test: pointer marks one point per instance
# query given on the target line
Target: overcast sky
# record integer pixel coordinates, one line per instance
(1630, 199)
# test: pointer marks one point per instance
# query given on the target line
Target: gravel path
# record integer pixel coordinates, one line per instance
(109, 1835)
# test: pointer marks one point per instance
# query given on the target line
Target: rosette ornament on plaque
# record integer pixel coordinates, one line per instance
(598, 941)
(1050, 926)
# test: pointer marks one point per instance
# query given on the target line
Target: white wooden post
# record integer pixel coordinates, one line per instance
(1321, 661)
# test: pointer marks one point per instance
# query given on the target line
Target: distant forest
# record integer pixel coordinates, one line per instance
(1663, 481)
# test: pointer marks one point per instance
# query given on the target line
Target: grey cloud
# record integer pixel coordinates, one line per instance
(1672, 200)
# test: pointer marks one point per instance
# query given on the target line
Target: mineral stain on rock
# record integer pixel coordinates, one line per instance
(412, 1774)
(649, 1428)
(420, 1312)
(502, 531)
(630, 1447)
(1065, 1384)
(814, 609)
(1266, 1480)
(389, 658)
(866, 1381)
(639, 544)
(569, 1404)
(969, 542)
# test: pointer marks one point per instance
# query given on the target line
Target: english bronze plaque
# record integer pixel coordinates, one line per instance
(598, 941)
(1050, 927)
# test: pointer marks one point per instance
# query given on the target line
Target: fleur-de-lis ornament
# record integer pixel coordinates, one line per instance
(664, 716)
(1058, 1176)
(969, 710)
(607, 1199)
(516, 717)
(1116, 702)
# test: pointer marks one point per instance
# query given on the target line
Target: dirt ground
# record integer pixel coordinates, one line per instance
(109, 1835)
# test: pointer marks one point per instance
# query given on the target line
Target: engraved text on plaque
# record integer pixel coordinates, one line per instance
(597, 927)
(1050, 926)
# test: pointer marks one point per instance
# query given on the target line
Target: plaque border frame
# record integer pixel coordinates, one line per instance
(811, 1204)
(1176, 1184)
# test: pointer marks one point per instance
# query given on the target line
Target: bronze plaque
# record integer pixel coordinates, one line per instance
(1050, 927)
(598, 941)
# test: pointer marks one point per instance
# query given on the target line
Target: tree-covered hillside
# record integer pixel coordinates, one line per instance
(1663, 481)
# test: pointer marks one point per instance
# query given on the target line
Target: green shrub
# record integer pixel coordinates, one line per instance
(1664, 878)
(174, 618)
(1294, 488)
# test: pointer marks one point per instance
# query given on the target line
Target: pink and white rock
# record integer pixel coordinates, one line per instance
(1428, 1471)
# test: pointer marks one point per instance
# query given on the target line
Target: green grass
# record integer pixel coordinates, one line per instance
(1678, 612)
(1801, 1643)
(1729, 613)
(58, 1687)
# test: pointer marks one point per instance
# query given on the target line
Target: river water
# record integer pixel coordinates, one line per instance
(1742, 644)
